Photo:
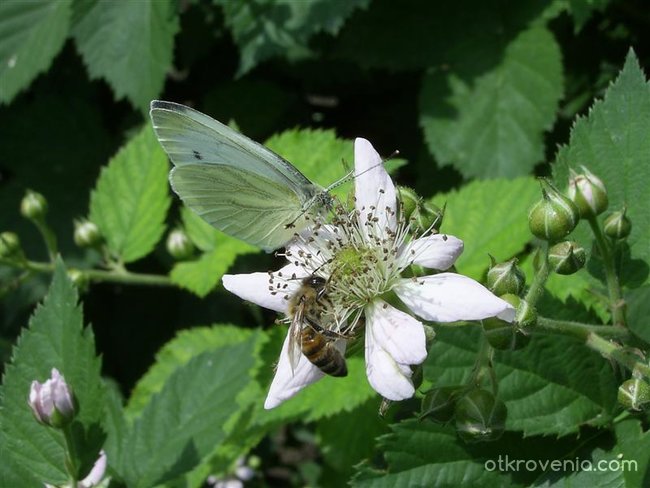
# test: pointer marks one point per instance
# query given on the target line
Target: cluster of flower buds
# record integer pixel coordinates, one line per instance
(179, 245)
(52, 402)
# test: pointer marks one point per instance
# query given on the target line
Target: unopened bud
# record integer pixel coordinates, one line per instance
(408, 199)
(86, 233)
(52, 402)
(179, 245)
(566, 257)
(33, 205)
(617, 225)
(525, 314)
(588, 192)
(505, 278)
(554, 216)
(503, 335)
(634, 394)
(10, 246)
(427, 217)
(439, 404)
(79, 278)
(480, 416)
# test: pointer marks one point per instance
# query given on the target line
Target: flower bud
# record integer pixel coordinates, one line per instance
(588, 192)
(554, 216)
(439, 404)
(179, 245)
(505, 278)
(86, 233)
(634, 394)
(52, 402)
(480, 416)
(10, 246)
(525, 314)
(33, 205)
(408, 199)
(427, 216)
(617, 225)
(566, 257)
(503, 335)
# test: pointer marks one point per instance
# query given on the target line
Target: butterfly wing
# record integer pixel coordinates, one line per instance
(241, 203)
(234, 183)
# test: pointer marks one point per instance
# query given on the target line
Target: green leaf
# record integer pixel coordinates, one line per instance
(633, 446)
(220, 252)
(31, 34)
(131, 199)
(612, 142)
(185, 421)
(586, 473)
(425, 454)
(583, 10)
(319, 154)
(55, 338)
(552, 386)
(191, 343)
(177, 352)
(344, 438)
(490, 217)
(638, 311)
(130, 45)
(436, 34)
(264, 29)
(493, 124)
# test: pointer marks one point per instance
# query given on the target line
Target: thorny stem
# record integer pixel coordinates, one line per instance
(581, 331)
(618, 353)
(616, 301)
(97, 275)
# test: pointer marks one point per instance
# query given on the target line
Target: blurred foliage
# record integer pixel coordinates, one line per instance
(476, 95)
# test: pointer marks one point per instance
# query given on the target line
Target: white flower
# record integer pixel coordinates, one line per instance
(363, 253)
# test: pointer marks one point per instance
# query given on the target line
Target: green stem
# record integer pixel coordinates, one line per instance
(618, 353)
(98, 275)
(582, 331)
(48, 236)
(616, 302)
(483, 365)
(537, 286)
(71, 450)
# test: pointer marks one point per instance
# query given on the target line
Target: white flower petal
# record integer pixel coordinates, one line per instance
(373, 188)
(438, 251)
(387, 377)
(254, 287)
(448, 297)
(287, 382)
(97, 473)
(397, 333)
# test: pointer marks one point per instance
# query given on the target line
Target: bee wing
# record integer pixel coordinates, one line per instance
(294, 338)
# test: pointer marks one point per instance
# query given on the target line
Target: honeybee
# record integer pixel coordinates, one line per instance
(306, 335)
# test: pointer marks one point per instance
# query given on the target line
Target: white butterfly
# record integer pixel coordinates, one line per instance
(235, 184)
